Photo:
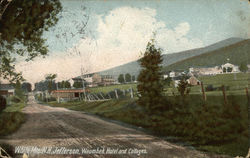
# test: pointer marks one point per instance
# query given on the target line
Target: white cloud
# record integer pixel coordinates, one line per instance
(122, 35)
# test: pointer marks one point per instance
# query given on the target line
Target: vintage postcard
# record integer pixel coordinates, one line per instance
(124, 78)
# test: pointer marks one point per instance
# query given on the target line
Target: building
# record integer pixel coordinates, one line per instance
(193, 81)
(7, 90)
(230, 68)
(68, 94)
(95, 79)
(248, 66)
(205, 71)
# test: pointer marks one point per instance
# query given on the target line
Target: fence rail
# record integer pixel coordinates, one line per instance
(2, 151)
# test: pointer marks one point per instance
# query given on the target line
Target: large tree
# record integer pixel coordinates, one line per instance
(26, 87)
(128, 77)
(150, 79)
(243, 67)
(121, 78)
(51, 79)
(22, 23)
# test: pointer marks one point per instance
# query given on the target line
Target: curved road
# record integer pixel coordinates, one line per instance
(58, 127)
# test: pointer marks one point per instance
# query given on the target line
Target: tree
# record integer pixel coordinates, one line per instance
(183, 87)
(167, 81)
(77, 85)
(22, 26)
(50, 78)
(243, 67)
(64, 84)
(229, 69)
(18, 90)
(150, 85)
(26, 87)
(133, 78)
(121, 78)
(128, 77)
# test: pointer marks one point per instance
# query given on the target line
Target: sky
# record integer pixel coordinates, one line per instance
(96, 35)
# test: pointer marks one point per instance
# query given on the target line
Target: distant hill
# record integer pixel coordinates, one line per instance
(237, 53)
(168, 59)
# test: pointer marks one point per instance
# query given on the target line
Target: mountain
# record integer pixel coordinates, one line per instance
(236, 53)
(168, 59)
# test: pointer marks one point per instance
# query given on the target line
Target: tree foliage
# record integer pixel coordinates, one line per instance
(150, 79)
(22, 25)
(183, 87)
(50, 78)
(64, 84)
(78, 85)
(121, 78)
(133, 78)
(128, 77)
(26, 87)
(243, 67)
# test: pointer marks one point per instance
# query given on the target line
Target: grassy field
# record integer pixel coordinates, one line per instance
(106, 89)
(11, 118)
(236, 83)
(208, 126)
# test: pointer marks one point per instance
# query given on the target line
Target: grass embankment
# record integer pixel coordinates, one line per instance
(210, 126)
(11, 118)
(106, 89)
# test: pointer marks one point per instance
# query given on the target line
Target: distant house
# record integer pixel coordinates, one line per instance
(68, 94)
(165, 76)
(205, 71)
(230, 68)
(95, 79)
(248, 66)
(172, 74)
(193, 81)
(7, 90)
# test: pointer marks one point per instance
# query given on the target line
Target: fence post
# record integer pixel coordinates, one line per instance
(116, 94)
(248, 103)
(131, 92)
(203, 92)
(224, 94)
(248, 98)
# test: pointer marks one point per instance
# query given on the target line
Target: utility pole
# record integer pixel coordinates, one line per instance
(83, 87)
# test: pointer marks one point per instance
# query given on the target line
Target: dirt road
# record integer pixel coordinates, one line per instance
(87, 135)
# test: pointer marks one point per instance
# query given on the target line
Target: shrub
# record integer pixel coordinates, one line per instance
(210, 88)
(15, 99)
(2, 103)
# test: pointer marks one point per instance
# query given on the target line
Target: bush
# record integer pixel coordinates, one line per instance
(15, 99)
(210, 88)
(2, 103)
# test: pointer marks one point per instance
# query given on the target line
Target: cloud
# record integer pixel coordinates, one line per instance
(120, 37)
(124, 32)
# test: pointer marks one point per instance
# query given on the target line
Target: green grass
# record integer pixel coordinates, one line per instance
(11, 118)
(205, 125)
(106, 89)
(236, 82)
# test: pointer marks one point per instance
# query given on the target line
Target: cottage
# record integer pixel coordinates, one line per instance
(95, 79)
(206, 71)
(7, 90)
(68, 94)
(193, 81)
(230, 68)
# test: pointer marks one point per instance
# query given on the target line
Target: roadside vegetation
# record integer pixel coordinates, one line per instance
(11, 117)
(208, 126)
